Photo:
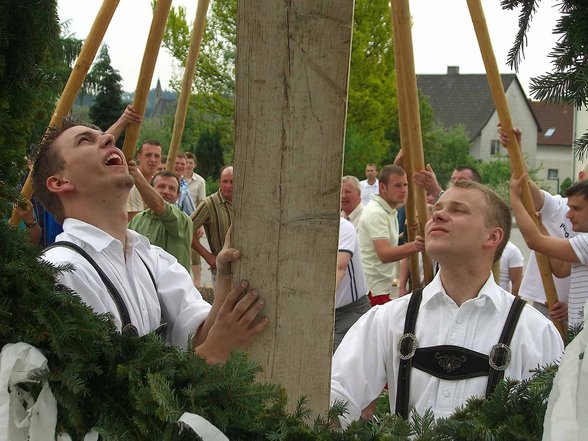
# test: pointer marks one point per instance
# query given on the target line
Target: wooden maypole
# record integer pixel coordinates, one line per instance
(410, 124)
(517, 163)
(291, 90)
(76, 78)
(146, 73)
(184, 98)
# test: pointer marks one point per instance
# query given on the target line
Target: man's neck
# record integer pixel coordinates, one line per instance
(463, 282)
(106, 215)
(371, 181)
(147, 174)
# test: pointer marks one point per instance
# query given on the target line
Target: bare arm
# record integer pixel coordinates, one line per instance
(343, 258)
(235, 317)
(403, 281)
(516, 277)
(150, 196)
(535, 239)
(200, 249)
(389, 253)
(129, 116)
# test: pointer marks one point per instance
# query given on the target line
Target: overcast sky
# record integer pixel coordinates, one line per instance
(443, 36)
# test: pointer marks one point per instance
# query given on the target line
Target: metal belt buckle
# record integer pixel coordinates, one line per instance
(494, 354)
(413, 347)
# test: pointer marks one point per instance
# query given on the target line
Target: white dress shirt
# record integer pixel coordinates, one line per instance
(368, 191)
(367, 357)
(176, 299)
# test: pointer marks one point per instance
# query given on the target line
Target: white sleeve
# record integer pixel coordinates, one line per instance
(182, 306)
(347, 236)
(516, 258)
(579, 244)
(358, 372)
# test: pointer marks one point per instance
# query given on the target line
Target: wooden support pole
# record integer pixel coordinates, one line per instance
(146, 73)
(76, 78)
(186, 91)
(291, 97)
(517, 163)
(410, 118)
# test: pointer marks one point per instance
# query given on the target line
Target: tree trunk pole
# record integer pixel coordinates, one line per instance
(186, 91)
(291, 88)
(76, 78)
(517, 163)
(408, 107)
(146, 73)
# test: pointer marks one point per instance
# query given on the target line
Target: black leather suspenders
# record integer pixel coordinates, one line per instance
(450, 362)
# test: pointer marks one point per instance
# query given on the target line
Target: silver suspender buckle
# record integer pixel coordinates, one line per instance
(412, 348)
(499, 351)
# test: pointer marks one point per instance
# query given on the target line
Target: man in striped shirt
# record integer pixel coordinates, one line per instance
(216, 214)
(567, 256)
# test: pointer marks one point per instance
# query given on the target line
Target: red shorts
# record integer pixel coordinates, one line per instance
(379, 300)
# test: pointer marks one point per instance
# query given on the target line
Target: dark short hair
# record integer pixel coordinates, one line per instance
(163, 159)
(149, 141)
(475, 174)
(579, 188)
(48, 162)
(191, 155)
(389, 170)
(165, 174)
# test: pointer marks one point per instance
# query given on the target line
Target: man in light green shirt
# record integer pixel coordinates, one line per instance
(163, 223)
(378, 234)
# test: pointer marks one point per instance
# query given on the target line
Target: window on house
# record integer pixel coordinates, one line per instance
(549, 133)
(494, 147)
(552, 173)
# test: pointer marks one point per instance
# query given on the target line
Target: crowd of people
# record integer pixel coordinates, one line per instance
(133, 234)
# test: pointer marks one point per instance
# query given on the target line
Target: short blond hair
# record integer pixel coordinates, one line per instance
(498, 212)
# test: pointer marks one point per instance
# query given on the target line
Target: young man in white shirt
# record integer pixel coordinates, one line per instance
(459, 319)
(568, 257)
(82, 178)
(371, 185)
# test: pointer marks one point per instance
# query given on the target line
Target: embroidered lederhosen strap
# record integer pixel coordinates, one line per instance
(500, 354)
(452, 362)
(126, 325)
(406, 349)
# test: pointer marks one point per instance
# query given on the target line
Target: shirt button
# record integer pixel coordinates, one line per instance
(446, 394)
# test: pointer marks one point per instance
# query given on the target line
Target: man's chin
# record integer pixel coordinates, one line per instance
(125, 181)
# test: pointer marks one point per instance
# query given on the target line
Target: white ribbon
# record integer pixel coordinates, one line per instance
(203, 428)
(566, 418)
(21, 417)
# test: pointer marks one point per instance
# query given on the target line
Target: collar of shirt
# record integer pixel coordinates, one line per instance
(434, 292)
(222, 198)
(385, 205)
(96, 238)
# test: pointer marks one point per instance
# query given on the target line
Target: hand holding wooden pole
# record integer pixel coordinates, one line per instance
(76, 78)
(410, 119)
(517, 163)
(146, 73)
(186, 91)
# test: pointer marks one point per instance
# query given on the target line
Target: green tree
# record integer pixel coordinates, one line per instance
(29, 39)
(568, 80)
(105, 81)
(209, 152)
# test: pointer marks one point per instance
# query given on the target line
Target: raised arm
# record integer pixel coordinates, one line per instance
(536, 240)
(150, 196)
(129, 116)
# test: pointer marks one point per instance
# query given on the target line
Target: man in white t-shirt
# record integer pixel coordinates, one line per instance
(371, 185)
(511, 268)
(567, 256)
(351, 300)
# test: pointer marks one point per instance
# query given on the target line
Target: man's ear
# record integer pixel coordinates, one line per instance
(494, 238)
(57, 184)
